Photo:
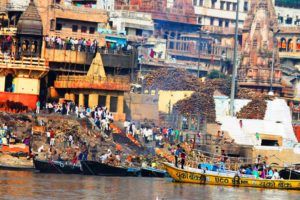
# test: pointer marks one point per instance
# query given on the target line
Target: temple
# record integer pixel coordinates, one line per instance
(259, 49)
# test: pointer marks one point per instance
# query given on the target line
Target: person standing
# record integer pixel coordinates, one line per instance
(38, 104)
(177, 154)
(183, 157)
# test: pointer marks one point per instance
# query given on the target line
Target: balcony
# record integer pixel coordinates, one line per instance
(113, 83)
(110, 58)
(8, 31)
(290, 55)
(31, 67)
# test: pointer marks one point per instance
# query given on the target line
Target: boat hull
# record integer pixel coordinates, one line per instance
(151, 172)
(100, 169)
(188, 176)
(56, 167)
(16, 168)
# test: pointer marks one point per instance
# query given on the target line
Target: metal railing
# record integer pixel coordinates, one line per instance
(95, 79)
(24, 62)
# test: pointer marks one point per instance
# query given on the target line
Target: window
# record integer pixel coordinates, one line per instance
(58, 27)
(52, 25)
(92, 30)
(280, 19)
(228, 6)
(289, 20)
(226, 23)
(234, 5)
(74, 28)
(222, 5)
(212, 21)
(246, 6)
(195, 2)
(199, 20)
(213, 3)
(201, 3)
(220, 22)
(83, 29)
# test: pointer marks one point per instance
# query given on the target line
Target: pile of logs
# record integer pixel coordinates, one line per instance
(255, 109)
(15, 107)
(202, 101)
(171, 79)
(246, 93)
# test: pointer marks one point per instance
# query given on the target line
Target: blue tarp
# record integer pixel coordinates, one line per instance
(119, 41)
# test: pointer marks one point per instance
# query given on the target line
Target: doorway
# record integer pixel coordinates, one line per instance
(9, 83)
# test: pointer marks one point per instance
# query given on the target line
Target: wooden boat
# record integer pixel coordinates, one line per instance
(16, 168)
(290, 174)
(131, 171)
(57, 167)
(152, 172)
(200, 176)
(100, 169)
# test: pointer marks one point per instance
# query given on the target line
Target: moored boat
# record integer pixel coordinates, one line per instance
(290, 174)
(96, 168)
(57, 167)
(200, 176)
(16, 168)
(152, 172)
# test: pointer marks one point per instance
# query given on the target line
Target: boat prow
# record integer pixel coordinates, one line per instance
(200, 176)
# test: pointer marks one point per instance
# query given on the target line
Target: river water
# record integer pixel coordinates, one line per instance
(30, 185)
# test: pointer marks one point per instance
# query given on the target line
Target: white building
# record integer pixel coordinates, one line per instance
(220, 13)
(131, 22)
(108, 5)
(17, 5)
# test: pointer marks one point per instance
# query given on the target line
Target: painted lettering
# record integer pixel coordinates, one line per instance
(267, 184)
(284, 185)
(221, 180)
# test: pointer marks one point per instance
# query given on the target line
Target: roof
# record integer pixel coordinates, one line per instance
(30, 22)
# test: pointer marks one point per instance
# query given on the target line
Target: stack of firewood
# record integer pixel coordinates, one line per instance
(255, 109)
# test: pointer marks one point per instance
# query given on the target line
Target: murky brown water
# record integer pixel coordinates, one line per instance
(28, 185)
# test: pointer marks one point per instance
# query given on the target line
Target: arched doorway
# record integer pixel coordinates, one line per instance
(283, 44)
(290, 45)
(9, 83)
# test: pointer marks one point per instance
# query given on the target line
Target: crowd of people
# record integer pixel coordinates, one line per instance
(260, 170)
(83, 45)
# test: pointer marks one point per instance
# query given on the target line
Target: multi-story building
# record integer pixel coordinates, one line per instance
(221, 13)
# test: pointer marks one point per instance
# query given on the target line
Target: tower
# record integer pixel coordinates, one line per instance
(259, 47)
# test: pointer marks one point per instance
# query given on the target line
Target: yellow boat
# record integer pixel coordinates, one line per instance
(199, 176)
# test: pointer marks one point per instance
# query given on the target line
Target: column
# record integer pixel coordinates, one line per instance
(67, 96)
(93, 100)
(108, 102)
(120, 108)
(72, 97)
(2, 83)
(81, 100)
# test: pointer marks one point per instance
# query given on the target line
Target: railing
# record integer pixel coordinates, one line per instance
(259, 79)
(25, 62)
(220, 30)
(8, 31)
(95, 79)
(131, 15)
(286, 29)
(93, 82)
(76, 9)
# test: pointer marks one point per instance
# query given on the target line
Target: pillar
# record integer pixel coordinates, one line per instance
(120, 108)
(108, 102)
(2, 83)
(72, 97)
(81, 100)
(67, 96)
(93, 100)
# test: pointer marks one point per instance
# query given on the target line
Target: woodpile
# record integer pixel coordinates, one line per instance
(202, 101)
(171, 79)
(246, 93)
(255, 109)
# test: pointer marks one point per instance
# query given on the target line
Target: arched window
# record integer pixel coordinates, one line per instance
(290, 45)
(298, 44)
(283, 44)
